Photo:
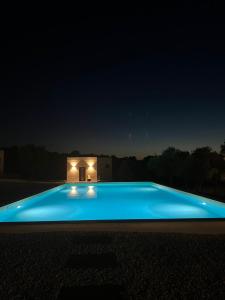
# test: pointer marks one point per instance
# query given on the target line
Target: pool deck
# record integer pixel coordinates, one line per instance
(178, 226)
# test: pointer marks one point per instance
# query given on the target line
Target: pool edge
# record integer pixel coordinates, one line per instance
(187, 226)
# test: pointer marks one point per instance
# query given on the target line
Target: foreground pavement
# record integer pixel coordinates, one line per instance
(75, 265)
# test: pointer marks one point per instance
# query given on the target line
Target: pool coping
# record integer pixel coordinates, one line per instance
(187, 226)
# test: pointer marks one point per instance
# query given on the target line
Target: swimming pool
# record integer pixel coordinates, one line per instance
(111, 201)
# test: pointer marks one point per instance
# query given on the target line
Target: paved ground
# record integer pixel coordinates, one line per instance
(112, 266)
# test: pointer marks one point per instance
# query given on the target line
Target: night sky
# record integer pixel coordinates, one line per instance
(123, 85)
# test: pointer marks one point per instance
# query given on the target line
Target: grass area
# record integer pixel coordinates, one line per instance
(11, 191)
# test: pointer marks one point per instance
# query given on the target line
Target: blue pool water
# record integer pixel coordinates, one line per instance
(111, 201)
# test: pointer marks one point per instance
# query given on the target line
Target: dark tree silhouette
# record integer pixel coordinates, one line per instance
(196, 171)
(74, 153)
(169, 167)
(222, 149)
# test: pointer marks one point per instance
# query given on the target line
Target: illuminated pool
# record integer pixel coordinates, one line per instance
(111, 201)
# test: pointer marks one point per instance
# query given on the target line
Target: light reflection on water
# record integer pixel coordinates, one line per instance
(88, 192)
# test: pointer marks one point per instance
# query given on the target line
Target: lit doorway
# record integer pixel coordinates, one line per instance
(82, 174)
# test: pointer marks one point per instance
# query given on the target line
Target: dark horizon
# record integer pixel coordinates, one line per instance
(128, 85)
(77, 152)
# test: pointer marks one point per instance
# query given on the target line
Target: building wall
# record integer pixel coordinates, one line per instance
(104, 168)
(1, 162)
(74, 163)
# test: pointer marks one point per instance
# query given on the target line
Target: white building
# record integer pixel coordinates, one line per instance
(86, 169)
